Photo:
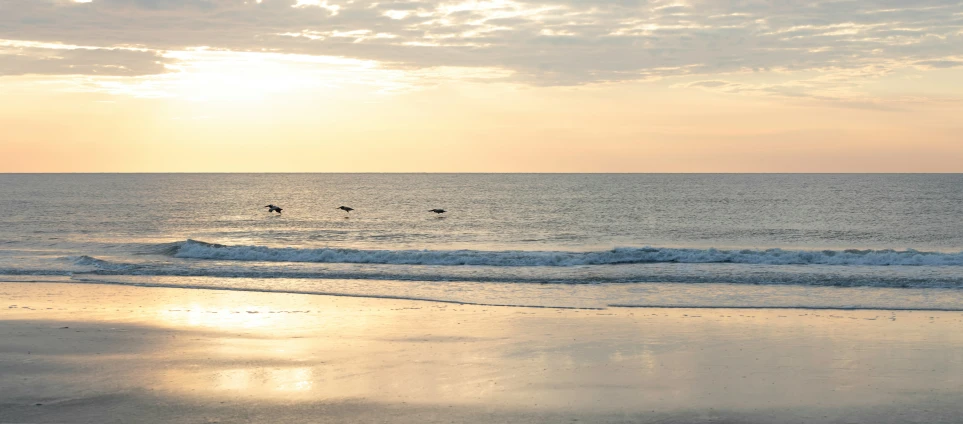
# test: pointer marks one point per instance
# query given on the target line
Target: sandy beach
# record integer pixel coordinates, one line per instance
(100, 354)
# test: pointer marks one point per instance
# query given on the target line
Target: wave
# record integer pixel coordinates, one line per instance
(34, 272)
(800, 275)
(839, 268)
(192, 249)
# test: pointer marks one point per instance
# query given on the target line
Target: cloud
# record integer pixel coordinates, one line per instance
(708, 84)
(840, 87)
(539, 42)
(944, 63)
(33, 58)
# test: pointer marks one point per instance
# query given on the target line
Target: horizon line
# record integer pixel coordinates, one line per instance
(482, 173)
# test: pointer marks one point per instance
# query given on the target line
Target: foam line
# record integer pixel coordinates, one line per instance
(193, 249)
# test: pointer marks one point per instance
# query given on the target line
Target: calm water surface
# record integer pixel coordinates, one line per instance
(888, 241)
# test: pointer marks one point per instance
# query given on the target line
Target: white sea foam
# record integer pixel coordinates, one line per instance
(624, 255)
(879, 268)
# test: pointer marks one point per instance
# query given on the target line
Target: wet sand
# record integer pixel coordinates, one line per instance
(101, 354)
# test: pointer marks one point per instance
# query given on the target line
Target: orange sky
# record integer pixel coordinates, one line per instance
(502, 94)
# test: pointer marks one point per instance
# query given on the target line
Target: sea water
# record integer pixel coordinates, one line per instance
(560, 240)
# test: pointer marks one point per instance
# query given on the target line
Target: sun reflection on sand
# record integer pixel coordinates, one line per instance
(216, 347)
(260, 380)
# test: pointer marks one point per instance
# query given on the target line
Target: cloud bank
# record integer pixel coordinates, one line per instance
(538, 42)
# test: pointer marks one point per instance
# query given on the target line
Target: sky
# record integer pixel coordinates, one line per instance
(481, 86)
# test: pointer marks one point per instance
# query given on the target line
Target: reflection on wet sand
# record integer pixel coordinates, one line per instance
(228, 347)
(264, 380)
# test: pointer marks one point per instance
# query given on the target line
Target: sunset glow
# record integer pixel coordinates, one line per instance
(479, 86)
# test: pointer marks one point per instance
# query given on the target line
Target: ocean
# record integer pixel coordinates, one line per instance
(860, 241)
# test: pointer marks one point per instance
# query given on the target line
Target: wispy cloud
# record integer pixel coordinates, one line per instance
(26, 57)
(538, 42)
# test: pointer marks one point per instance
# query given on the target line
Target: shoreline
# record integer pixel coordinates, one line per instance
(70, 280)
(113, 353)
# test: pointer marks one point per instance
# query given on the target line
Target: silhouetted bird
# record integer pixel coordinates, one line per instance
(345, 208)
(272, 208)
(437, 210)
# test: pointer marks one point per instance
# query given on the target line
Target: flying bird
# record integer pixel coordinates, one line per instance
(438, 211)
(345, 208)
(272, 208)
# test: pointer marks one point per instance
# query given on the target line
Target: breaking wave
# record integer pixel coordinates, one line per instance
(192, 249)
(839, 268)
